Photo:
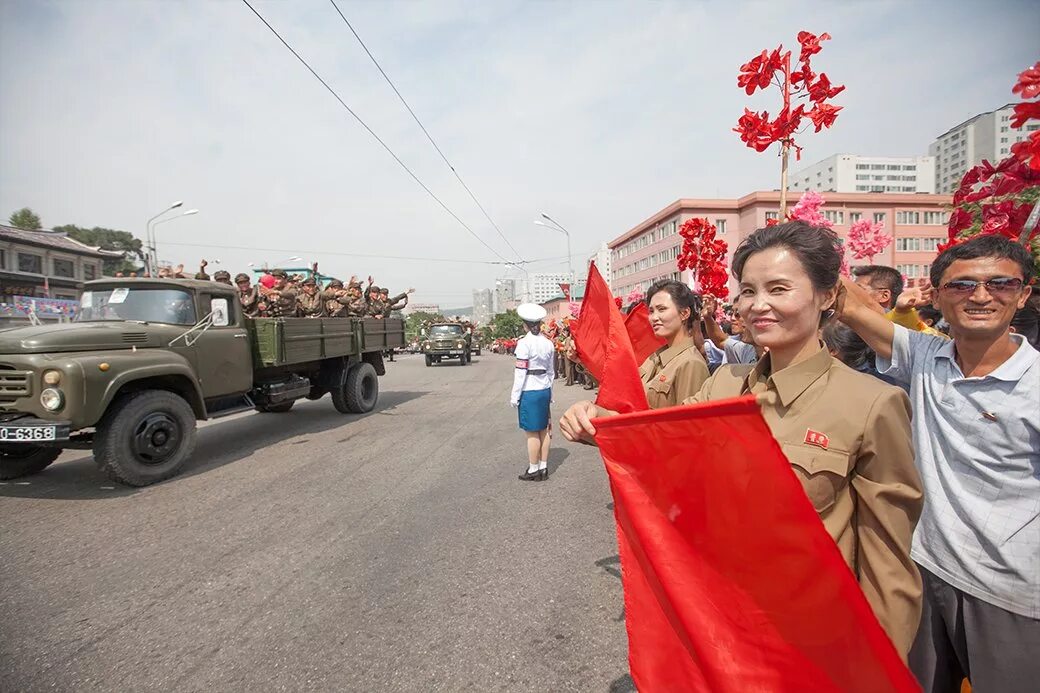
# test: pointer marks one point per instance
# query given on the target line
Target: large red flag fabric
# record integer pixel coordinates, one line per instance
(605, 350)
(644, 341)
(731, 582)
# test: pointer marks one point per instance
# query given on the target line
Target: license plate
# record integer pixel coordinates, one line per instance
(27, 434)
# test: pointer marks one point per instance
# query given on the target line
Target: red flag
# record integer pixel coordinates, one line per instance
(566, 289)
(644, 341)
(731, 582)
(605, 350)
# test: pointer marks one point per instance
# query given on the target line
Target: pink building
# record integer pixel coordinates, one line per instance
(648, 252)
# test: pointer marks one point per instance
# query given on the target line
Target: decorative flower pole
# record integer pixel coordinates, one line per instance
(705, 255)
(757, 131)
(1005, 198)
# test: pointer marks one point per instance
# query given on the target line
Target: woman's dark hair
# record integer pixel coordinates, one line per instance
(989, 245)
(681, 295)
(849, 346)
(817, 249)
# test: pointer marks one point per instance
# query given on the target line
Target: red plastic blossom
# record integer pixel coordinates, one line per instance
(1028, 85)
(755, 130)
(758, 72)
(1028, 150)
(823, 115)
(705, 255)
(810, 44)
(821, 89)
(617, 302)
(1025, 111)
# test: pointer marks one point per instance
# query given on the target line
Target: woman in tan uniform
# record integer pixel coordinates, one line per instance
(677, 370)
(846, 434)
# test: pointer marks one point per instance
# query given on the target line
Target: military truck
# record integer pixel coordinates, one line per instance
(148, 358)
(446, 340)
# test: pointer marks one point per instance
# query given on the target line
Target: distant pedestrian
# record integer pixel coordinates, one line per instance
(532, 390)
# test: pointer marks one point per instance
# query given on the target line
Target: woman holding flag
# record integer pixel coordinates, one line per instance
(845, 434)
(677, 370)
(532, 390)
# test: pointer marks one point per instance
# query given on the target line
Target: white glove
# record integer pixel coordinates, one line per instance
(514, 403)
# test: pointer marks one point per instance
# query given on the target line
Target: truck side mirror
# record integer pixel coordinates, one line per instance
(219, 308)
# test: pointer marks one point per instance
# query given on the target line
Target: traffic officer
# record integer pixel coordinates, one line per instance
(846, 434)
(248, 296)
(532, 390)
(677, 370)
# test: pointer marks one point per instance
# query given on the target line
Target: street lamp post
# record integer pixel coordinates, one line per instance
(150, 257)
(163, 221)
(556, 226)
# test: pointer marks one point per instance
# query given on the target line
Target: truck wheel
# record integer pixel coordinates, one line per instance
(145, 437)
(360, 393)
(23, 460)
(279, 408)
(429, 360)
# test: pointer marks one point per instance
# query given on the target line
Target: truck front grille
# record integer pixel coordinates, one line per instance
(135, 338)
(14, 384)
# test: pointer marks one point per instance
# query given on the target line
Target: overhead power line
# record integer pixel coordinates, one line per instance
(298, 251)
(372, 132)
(423, 127)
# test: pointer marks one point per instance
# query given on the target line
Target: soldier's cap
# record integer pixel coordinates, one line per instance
(309, 281)
(374, 288)
(531, 312)
(222, 274)
(241, 277)
(335, 284)
(385, 291)
(279, 273)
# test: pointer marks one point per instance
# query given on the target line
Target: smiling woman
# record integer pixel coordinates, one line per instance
(678, 369)
(846, 434)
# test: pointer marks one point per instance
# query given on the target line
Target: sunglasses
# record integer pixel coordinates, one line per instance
(997, 285)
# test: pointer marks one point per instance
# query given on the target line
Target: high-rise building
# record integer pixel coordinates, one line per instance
(986, 136)
(602, 258)
(648, 252)
(846, 173)
(505, 295)
(483, 306)
(546, 285)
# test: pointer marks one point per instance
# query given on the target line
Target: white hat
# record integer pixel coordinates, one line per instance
(531, 312)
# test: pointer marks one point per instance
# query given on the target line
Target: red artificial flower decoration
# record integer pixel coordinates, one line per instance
(810, 44)
(1025, 111)
(756, 130)
(823, 115)
(703, 253)
(1028, 85)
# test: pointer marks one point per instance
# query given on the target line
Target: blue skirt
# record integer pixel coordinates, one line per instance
(534, 409)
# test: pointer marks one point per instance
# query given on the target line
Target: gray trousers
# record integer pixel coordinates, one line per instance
(962, 636)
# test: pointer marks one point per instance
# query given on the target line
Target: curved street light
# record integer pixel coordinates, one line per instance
(149, 242)
(163, 221)
(556, 226)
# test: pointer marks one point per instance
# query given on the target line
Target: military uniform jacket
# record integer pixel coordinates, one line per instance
(395, 303)
(310, 306)
(376, 307)
(672, 374)
(847, 436)
(283, 305)
(250, 301)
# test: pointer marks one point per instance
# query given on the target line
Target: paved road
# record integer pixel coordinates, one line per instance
(315, 551)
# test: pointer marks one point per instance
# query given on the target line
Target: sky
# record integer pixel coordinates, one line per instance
(598, 114)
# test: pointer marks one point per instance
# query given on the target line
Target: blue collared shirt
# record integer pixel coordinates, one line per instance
(977, 444)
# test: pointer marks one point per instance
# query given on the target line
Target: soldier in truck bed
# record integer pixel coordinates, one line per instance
(396, 303)
(310, 302)
(376, 307)
(281, 298)
(248, 296)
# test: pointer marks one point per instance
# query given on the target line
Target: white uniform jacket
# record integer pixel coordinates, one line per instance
(535, 357)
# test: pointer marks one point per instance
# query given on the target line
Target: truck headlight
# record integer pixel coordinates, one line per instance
(52, 399)
(51, 377)
(460, 344)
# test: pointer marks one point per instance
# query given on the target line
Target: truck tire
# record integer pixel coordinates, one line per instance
(279, 408)
(145, 437)
(23, 460)
(429, 360)
(360, 393)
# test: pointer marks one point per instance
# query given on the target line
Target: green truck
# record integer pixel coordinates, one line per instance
(447, 340)
(148, 358)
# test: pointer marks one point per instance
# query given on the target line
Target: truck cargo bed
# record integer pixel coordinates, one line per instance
(286, 341)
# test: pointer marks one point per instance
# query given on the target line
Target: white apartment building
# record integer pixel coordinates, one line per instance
(602, 258)
(987, 136)
(483, 307)
(542, 286)
(433, 308)
(849, 173)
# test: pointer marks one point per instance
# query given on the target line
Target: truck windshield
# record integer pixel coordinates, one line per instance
(170, 306)
(446, 330)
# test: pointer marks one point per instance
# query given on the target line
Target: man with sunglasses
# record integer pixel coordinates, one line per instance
(976, 429)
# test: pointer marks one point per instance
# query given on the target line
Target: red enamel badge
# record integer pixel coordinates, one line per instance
(663, 378)
(816, 438)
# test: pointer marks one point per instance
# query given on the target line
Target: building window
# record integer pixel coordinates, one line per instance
(1004, 129)
(879, 217)
(855, 216)
(64, 268)
(905, 217)
(911, 245)
(3, 259)
(907, 270)
(893, 167)
(877, 167)
(720, 225)
(862, 176)
(936, 218)
(862, 167)
(772, 215)
(862, 188)
(834, 216)
(910, 168)
(28, 262)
